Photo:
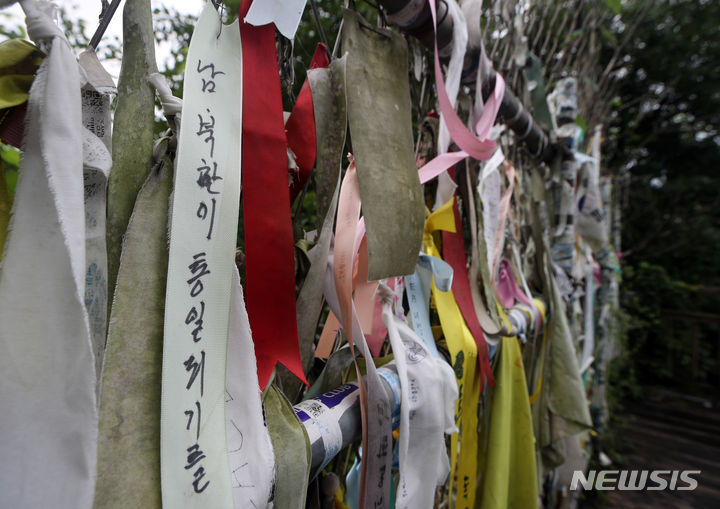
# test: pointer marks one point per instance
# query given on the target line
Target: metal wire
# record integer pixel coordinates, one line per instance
(106, 15)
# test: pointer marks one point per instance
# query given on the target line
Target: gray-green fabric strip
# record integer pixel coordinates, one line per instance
(133, 126)
(329, 106)
(129, 434)
(379, 114)
(292, 451)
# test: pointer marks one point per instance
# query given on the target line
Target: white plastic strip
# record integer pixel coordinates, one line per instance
(97, 161)
(285, 14)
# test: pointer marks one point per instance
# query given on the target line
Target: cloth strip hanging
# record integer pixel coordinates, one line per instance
(454, 252)
(429, 393)
(329, 105)
(379, 425)
(376, 436)
(461, 344)
(480, 147)
(269, 246)
(96, 95)
(129, 424)
(47, 370)
(285, 15)
(292, 466)
(364, 299)
(503, 209)
(203, 231)
(445, 184)
(379, 116)
(509, 473)
(301, 129)
(250, 452)
(428, 271)
(507, 287)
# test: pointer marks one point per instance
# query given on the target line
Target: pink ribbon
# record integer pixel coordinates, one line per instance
(507, 288)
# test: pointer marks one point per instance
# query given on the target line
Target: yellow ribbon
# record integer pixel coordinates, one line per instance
(508, 465)
(509, 468)
(535, 395)
(464, 443)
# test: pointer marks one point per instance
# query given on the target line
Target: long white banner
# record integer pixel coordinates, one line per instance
(194, 461)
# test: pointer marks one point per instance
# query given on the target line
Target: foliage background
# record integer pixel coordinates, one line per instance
(664, 147)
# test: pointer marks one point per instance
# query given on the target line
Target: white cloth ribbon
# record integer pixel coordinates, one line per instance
(250, 452)
(429, 392)
(47, 371)
(206, 198)
(489, 192)
(171, 105)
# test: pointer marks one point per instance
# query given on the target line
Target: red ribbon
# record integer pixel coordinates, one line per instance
(300, 127)
(454, 255)
(269, 246)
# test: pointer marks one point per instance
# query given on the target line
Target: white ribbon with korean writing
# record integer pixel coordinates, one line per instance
(194, 460)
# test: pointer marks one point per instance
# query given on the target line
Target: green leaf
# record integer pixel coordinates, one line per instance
(614, 5)
(580, 121)
(608, 35)
(10, 156)
(11, 177)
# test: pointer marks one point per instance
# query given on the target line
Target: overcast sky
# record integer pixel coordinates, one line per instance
(89, 10)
